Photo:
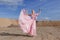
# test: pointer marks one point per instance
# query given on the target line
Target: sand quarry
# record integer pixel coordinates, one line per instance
(9, 30)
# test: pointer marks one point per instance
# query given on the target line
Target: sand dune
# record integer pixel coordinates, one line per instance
(4, 22)
(14, 22)
(43, 33)
(15, 33)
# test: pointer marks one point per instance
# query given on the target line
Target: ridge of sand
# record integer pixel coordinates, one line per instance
(5, 22)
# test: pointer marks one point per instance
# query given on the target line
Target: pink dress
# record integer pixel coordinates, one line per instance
(27, 24)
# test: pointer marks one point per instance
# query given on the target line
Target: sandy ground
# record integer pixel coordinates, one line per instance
(43, 33)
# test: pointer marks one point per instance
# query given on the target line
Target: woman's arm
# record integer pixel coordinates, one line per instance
(39, 12)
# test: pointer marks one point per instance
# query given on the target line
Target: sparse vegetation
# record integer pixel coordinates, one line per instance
(48, 23)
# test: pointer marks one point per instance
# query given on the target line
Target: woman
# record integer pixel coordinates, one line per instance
(27, 23)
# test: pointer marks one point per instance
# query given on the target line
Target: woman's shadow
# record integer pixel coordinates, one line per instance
(10, 34)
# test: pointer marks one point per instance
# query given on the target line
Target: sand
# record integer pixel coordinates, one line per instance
(10, 31)
(5, 22)
(43, 33)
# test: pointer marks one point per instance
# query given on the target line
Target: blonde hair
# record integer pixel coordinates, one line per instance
(33, 11)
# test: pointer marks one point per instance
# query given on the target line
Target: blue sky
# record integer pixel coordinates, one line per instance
(50, 9)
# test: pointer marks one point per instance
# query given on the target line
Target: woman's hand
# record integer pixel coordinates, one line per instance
(39, 12)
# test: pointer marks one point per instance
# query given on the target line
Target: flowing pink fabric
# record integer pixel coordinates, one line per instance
(27, 24)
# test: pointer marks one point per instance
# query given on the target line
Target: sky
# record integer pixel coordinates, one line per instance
(50, 9)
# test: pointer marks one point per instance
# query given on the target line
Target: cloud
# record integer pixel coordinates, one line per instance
(38, 3)
(12, 7)
(12, 2)
(42, 0)
(46, 18)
